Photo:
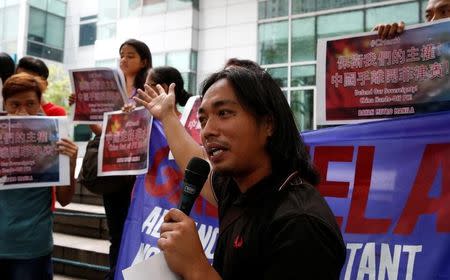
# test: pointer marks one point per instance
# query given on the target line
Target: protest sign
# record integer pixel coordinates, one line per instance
(97, 90)
(28, 153)
(154, 194)
(124, 143)
(189, 118)
(388, 184)
(363, 77)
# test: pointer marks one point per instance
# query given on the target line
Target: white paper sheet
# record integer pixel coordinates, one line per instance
(154, 268)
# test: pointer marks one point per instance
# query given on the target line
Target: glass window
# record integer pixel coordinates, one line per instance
(280, 75)
(36, 25)
(194, 60)
(106, 31)
(179, 60)
(376, 1)
(54, 34)
(423, 7)
(46, 33)
(330, 4)
(303, 39)
(388, 14)
(10, 23)
(41, 4)
(88, 34)
(107, 10)
(303, 6)
(178, 4)
(340, 24)
(158, 59)
(130, 8)
(306, 6)
(304, 75)
(273, 42)
(302, 103)
(195, 4)
(57, 7)
(189, 82)
(273, 8)
(40, 50)
(154, 6)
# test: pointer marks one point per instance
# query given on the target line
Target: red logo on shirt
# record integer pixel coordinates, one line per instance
(238, 241)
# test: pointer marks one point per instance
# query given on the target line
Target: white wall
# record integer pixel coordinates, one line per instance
(220, 30)
(227, 29)
(75, 56)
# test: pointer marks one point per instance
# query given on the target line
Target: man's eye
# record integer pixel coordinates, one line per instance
(224, 113)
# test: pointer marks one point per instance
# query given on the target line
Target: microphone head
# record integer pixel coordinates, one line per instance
(197, 169)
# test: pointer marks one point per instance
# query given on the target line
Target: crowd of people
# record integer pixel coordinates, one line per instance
(273, 222)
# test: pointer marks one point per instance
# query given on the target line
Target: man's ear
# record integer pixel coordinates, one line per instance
(45, 84)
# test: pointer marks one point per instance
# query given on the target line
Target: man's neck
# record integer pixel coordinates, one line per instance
(246, 182)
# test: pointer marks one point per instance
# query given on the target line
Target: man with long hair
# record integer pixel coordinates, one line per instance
(273, 222)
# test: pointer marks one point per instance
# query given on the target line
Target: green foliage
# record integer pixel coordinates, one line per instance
(58, 89)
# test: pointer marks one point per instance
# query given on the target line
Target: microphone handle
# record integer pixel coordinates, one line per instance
(188, 197)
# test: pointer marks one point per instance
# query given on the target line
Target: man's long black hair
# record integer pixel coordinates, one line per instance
(258, 93)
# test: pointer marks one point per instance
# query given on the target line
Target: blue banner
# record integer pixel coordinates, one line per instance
(153, 195)
(388, 184)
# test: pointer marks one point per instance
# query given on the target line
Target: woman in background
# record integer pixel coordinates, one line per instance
(164, 76)
(7, 68)
(135, 61)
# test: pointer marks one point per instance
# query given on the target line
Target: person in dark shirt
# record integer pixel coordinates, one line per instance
(273, 222)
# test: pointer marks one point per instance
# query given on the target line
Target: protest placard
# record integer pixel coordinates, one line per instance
(363, 77)
(124, 143)
(28, 152)
(97, 90)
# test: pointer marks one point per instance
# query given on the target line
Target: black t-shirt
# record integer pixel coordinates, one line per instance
(273, 233)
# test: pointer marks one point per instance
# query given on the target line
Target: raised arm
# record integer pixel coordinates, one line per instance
(162, 106)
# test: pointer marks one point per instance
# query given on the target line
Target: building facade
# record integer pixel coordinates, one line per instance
(198, 36)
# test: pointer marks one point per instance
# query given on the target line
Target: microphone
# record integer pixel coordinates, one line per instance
(195, 176)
